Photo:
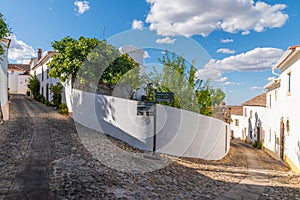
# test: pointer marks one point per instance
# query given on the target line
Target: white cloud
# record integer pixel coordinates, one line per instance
(194, 17)
(257, 59)
(210, 74)
(19, 51)
(137, 24)
(226, 51)
(256, 88)
(226, 40)
(81, 6)
(166, 40)
(228, 83)
(245, 32)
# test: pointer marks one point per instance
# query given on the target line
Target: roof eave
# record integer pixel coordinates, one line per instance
(286, 57)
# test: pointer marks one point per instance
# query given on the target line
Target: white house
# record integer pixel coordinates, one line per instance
(40, 69)
(18, 76)
(4, 80)
(254, 112)
(273, 117)
(283, 107)
(237, 122)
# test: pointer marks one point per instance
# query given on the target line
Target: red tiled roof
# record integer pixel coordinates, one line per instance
(236, 110)
(294, 47)
(259, 100)
(19, 67)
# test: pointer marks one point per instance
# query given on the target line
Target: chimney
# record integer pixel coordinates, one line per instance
(39, 54)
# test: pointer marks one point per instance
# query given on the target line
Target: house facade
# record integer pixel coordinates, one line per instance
(4, 79)
(18, 76)
(254, 112)
(237, 122)
(273, 117)
(41, 70)
(282, 109)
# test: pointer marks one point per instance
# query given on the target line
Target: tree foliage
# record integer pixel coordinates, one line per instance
(180, 78)
(34, 86)
(70, 55)
(56, 94)
(4, 31)
(91, 62)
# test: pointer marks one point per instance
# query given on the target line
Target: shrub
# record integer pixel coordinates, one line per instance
(63, 108)
(48, 103)
(56, 94)
(42, 99)
(34, 86)
(257, 145)
(38, 97)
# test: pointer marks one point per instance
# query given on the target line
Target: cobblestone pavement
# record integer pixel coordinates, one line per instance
(42, 157)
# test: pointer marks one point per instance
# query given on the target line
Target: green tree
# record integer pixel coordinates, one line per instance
(70, 55)
(217, 96)
(34, 86)
(180, 78)
(176, 77)
(90, 63)
(56, 94)
(203, 95)
(4, 31)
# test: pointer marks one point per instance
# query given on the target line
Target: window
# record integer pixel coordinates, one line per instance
(270, 100)
(47, 73)
(42, 74)
(245, 112)
(250, 113)
(237, 122)
(275, 95)
(289, 84)
(288, 126)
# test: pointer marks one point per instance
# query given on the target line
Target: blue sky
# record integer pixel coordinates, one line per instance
(242, 38)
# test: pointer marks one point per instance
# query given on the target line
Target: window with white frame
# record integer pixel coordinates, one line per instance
(237, 122)
(289, 75)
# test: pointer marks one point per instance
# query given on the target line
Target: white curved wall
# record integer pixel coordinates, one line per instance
(3, 84)
(179, 132)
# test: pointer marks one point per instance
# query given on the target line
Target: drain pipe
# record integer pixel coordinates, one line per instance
(273, 72)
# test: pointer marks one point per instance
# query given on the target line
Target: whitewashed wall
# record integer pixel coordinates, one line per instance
(13, 81)
(238, 130)
(4, 84)
(179, 132)
(286, 107)
(258, 114)
(18, 83)
(23, 83)
(42, 69)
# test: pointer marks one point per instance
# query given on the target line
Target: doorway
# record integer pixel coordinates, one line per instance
(282, 139)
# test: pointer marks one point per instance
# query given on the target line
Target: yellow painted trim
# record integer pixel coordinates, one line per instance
(291, 164)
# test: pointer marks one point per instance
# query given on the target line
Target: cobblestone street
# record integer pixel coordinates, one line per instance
(42, 157)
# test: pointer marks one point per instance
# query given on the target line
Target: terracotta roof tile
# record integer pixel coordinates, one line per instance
(236, 110)
(19, 67)
(259, 100)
